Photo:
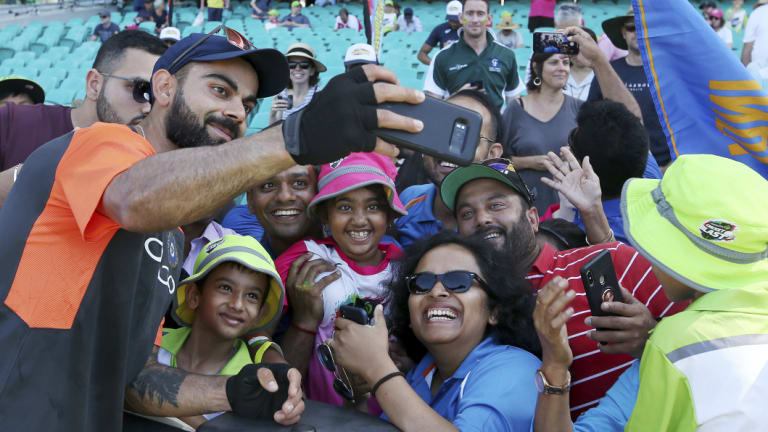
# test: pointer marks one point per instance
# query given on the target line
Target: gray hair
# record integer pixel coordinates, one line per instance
(567, 14)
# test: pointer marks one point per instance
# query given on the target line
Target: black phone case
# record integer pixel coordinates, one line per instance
(434, 140)
(354, 313)
(603, 278)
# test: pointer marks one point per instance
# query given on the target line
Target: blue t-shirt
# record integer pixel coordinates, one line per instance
(492, 390)
(614, 409)
(442, 36)
(263, 5)
(420, 222)
(298, 19)
(106, 33)
(243, 222)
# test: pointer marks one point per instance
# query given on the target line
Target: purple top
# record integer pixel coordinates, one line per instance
(542, 8)
(24, 128)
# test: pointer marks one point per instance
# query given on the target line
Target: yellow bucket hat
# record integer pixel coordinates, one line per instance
(246, 251)
(705, 223)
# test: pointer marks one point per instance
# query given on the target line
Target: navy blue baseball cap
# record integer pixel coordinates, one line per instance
(270, 64)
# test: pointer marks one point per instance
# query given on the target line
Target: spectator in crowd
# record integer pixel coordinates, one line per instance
(756, 35)
(20, 91)
(274, 20)
(706, 7)
(621, 31)
(488, 62)
(736, 17)
(506, 34)
(540, 122)
(359, 54)
(106, 28)
(356, 202)
(138, 5)
(160, 15)
(295, 19)
(407, 22)
(427, 215)
(324, 3)
(215, 9)
(389, 19)
(727, 292)
(305, 75)
(170, 35)
(115, 89)
(345, 20)
(566, 15)
(463, 310)
(560, 234)
(492, 201)
(609, 49)
(717, 22)
(103, 239)
(444, 34)
(541, 14)
(145, 14)
(233, 289)
(581, 74)
(259, 9)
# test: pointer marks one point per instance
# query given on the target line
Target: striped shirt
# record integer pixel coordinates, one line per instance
(593, 372)
(310, 94)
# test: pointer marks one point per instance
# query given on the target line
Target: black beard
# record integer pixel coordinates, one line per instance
(106, 114)
(183, 128)
(520, 243)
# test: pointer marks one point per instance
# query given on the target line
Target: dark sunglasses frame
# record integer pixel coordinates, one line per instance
(325, 354)
(233, 37)
(457, 281)
(140, 89)
(529, 195)
(303, 65)
(630, 28)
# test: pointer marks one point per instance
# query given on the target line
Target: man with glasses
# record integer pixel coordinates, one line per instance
(92, 252)
(621, 31)
(114, 89)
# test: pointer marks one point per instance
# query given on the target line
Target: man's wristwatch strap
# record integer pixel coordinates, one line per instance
(545, 387)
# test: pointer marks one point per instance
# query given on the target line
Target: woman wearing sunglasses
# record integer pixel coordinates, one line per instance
(305, 73)
(465, 312)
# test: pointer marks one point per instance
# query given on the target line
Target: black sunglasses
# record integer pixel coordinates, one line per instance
(506, 165)
(629, 27)
(325, 354)
(303, 65)
(233, 37)
(457, 281)
(140, 88)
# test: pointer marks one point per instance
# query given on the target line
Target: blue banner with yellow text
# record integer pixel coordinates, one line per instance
(706, 100)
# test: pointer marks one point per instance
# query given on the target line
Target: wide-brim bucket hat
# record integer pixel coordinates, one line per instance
(353, 172)
(612, 28)
(246, 251)
(704, 224)
(300, 49)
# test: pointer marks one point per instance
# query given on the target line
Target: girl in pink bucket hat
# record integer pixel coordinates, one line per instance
(356, 203)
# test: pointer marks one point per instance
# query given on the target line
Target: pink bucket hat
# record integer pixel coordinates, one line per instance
(355, 171)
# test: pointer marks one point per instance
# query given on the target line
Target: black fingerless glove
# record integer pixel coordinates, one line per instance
(337, 121)
(249, 399)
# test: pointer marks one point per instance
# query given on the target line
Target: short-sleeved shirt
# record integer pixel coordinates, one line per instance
(511, 41)
(243, 222)
(144, 14)
(403, 26)
(458, 64)
(613, 411)
(492, 390)
(106, 33)
(525, 135)
(757, 32)
(635, 80)
(215, 4)
(24, 128)
(420, 222)
(82, 299)
(159, 19)
(736, 20)
(542, 8)
(442, 36)
(594, 372)
(298, 19)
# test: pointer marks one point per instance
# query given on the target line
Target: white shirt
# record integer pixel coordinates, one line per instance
(579, 90)
(352, 22)
(757, 32)
(726, 35)
(403, 26)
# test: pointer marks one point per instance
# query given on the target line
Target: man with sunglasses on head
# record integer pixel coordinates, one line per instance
(92, 250)
(115, 90)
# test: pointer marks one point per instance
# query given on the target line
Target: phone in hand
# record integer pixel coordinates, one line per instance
(450, 132)
(477, 84)
(600, 283)
(553, 43)
(355, 314)
(288, 98)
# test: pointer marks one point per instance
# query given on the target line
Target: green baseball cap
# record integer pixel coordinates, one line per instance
(19, 84)
(246, 251)
(295, 3)
(495, 169)
(704, 224)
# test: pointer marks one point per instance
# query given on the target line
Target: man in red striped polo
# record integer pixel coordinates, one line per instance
(491, 200)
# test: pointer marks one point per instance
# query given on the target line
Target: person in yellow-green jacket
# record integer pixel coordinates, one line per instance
(235, 289)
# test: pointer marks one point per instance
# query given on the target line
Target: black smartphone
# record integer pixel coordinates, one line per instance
(450, 132)
(354, 313)
(553, 42)
(600, 283)
(478, 84)
(288, 98)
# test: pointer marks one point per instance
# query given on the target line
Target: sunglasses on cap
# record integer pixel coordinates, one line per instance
(325, 355)
(139, 88)
(233, 37)
(505, 165)
(303, 65)
(457, 281)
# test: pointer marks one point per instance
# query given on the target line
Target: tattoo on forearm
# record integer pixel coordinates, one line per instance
(158, 384)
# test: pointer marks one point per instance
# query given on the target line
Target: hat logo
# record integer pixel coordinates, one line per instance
(718, 230)
(335, 164)
(213, 245)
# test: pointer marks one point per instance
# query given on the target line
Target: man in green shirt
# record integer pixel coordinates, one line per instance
(476, 60)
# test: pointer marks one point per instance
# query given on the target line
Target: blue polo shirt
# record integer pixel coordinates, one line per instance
(492, 390)
(442, 36)
(420, 221)
(615, 408)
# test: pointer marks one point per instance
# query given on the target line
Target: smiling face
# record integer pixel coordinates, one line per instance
(280, 203)
(441, 316)
(474, 17)
(230, 302)
(555, 71)
(115, 102)
(358, 220)
(299, 75)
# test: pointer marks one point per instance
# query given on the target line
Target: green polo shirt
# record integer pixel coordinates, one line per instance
(458, 64)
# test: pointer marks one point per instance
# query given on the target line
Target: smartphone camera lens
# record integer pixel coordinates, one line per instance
(590, 278)
(602, 280)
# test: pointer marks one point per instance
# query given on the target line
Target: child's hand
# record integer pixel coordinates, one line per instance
(363, 349)
(304, 293)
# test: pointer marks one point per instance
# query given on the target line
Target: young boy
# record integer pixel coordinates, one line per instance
(235, 289)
